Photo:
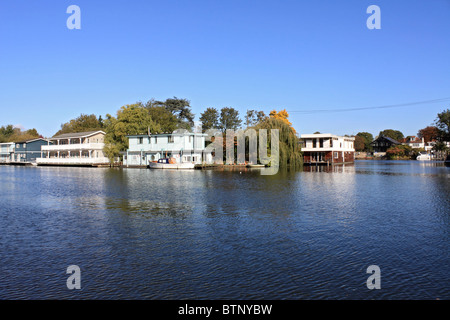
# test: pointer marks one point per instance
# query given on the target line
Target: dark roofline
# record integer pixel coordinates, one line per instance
(31, 140)
(387, 138)
(76, 134)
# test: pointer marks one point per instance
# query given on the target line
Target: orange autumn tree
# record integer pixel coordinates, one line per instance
(282, 115)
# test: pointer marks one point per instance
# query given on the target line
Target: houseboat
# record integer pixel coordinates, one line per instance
(327, 149)
(74, 149)
(27, 152)
(184, 147)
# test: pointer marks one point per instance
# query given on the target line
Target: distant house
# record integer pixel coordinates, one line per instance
(325, 148)
(81, 148)
(382, 143)
(414, 142)
(6, 151)
(184, 147)
(28, 151)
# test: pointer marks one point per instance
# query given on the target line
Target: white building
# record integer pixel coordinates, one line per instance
(327, 148)
(6, 152)
(82, 148)
(183, 146)
(414, 142)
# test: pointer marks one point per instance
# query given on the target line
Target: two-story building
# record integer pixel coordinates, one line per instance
(183, 146)
(28, 151)
(326, 148)
(381, 144)
(414, 142)
(6, 151)
(75, 149)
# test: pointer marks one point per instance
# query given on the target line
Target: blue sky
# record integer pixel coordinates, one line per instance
(264, 55)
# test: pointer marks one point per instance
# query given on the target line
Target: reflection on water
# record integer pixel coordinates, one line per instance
(228, 234)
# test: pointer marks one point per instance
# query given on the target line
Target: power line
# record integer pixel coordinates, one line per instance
(370, 108)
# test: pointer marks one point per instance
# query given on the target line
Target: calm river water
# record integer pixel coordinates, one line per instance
(157, 234)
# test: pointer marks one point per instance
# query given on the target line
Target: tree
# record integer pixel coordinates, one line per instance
(229, 119)
(367, 138)
(83, 123)
(429, 133)
(163, 119)
(253, 117)
(131, 119)
(393, 134)
(6, 132)
(399, 151)
(360, 144)
(289, 148)
(181, 108)
(281, 115)
(209, 119)
(10, 134)
(443, 124)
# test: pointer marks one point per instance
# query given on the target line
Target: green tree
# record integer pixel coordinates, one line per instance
(367, 138)
(253, 117)
(6, 132)
(83, 123)
(209, 119)
(163, 119)
(181, 108)
(393, 134)
(131, 119)
(443, 124)
(290, 154)
(11, 134)
(229, 119)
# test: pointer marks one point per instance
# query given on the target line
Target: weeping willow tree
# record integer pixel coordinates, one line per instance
(289, 148)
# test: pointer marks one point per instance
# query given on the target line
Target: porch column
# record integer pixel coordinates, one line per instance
(58, 154)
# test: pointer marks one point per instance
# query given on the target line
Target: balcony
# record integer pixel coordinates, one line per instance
(70, 147)
(72, 161)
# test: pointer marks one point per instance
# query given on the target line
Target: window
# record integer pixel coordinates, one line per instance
(156, 140)
(149, 140)
(140, 140)
(171, 139)
(336, 155)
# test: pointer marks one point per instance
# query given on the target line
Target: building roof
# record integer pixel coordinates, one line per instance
(323, 135)
(31, 140)
(77, 134)
(386, 138)
(199, 134)
(412, 139)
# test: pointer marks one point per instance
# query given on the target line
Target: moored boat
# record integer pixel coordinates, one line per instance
(423, 156)
(255, 165)
(170, 163)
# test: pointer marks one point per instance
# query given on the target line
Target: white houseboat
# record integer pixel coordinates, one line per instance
(181, 147)
(75, 149)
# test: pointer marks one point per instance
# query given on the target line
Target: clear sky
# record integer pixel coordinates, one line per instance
(247, 54)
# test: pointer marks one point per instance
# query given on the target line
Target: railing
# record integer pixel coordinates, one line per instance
(69, 147)
(72, 160)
